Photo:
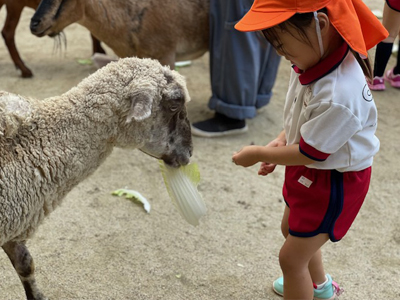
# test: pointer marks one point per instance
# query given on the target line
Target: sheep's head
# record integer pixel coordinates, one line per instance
(158, 113)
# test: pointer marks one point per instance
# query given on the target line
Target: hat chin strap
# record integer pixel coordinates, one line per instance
(321, 45)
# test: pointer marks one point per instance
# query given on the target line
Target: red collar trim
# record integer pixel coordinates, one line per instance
(324, 67)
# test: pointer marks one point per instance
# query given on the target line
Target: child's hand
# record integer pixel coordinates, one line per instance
(246, 157)
(276, 143)
(266, 168)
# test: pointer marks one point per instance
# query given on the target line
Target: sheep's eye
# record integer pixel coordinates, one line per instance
(174, 108)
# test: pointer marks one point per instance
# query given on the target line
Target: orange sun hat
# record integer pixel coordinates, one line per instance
(352, 19)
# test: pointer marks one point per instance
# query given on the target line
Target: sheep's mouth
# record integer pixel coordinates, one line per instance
(176, 161)
(172, 162)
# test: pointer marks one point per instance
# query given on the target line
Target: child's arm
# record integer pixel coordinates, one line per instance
(266, 167)
(280, 140)
(288, 156)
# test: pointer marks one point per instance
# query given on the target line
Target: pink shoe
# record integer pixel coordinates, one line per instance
(394, 79)
(378, 84)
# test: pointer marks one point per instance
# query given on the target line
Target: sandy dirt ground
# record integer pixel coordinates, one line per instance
(98, 246)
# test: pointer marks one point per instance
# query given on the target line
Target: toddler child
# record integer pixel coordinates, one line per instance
(328, 139)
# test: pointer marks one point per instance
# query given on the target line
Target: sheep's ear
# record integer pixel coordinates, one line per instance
(140, 107)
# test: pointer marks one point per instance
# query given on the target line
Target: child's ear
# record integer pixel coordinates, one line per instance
(324, 22)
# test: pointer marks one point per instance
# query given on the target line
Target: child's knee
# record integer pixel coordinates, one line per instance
(288, 260)
(293, 259)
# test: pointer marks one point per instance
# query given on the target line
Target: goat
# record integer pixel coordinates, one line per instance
(48, 146)
(166, 30)
(14, 10)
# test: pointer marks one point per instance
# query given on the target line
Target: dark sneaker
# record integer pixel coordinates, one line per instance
(219, 125)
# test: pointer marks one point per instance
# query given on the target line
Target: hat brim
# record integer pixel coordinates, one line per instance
(352, 19)
(254, 20)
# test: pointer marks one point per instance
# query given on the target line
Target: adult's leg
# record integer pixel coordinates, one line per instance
(237, 61)
(232, 72)
(268, 73)
(242, 70)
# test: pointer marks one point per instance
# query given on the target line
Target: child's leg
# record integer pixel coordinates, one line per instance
(294, 258)
(397, 67)
(315, 266)
(391, 21)
(285, 222)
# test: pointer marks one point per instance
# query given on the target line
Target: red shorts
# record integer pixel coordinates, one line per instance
(394, 4)
(323, 201)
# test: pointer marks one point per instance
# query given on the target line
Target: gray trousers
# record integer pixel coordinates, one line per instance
(243, 65)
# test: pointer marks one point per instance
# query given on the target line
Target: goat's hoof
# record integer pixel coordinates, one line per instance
(27, 74)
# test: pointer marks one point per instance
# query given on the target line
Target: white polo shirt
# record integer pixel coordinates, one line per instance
(331, 113)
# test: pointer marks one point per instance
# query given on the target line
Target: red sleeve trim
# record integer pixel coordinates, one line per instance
(311, 152)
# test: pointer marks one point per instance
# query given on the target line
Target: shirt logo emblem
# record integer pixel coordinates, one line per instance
(367, 95)
(305, 181)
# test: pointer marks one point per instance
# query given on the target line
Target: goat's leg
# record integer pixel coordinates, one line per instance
(96, 46)
(168, 59)
(14, 10)
(22, 261)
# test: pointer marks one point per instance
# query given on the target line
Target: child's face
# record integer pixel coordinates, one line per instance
(300, 52)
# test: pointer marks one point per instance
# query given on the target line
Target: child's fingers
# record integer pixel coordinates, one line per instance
(269, 168)
(262, 173)
(266, 168)
(235, 158)
(242, 159)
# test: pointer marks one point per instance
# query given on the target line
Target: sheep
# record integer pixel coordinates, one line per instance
(14, 10)
(166, 30)
(48, 146)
